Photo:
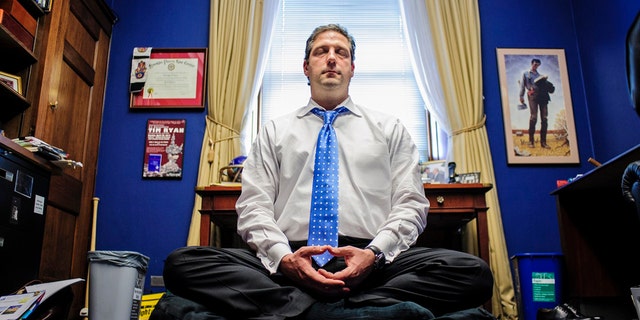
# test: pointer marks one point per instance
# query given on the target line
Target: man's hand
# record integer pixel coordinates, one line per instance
(359, 265)
(298, 267)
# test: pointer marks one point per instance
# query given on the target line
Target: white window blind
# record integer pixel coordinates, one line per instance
(383, 77)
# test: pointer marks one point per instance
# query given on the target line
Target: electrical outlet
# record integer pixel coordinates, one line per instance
(157, 281)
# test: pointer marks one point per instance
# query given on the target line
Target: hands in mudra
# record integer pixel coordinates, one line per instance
(298, 267)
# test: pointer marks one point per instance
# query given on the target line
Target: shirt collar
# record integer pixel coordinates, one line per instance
(353, 108)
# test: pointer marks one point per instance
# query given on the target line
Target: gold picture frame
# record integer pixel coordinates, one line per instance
(12, 81)
(561, 143)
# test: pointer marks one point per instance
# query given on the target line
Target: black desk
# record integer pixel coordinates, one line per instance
(596, 224)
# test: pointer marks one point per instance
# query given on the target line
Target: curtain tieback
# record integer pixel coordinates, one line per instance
(212, 142)
(473, 127)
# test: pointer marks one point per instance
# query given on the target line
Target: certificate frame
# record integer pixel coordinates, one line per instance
(561, 134)
(168, 60)
(12, 81)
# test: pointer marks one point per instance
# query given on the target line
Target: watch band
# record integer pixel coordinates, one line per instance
(380, 259)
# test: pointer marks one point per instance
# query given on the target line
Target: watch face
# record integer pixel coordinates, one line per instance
(379, 257)
(380, 261)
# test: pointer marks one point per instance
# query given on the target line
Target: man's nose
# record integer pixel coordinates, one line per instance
(332, 56)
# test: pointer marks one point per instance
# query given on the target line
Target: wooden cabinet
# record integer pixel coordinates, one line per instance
(452, 207)
(66, 89)
(69, 115)
(24, 186)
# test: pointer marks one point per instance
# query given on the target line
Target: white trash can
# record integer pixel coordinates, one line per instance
(116, 282)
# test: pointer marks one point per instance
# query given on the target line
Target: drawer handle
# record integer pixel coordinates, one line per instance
(440, 200)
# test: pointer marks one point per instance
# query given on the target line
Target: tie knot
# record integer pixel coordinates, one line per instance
(329, 115)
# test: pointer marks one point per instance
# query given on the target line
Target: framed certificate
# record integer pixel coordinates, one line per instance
(176, 78)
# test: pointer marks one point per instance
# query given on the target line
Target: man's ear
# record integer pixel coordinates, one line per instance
(305, 67)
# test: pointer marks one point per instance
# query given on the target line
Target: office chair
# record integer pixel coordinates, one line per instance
(631, 185)
(631, 175)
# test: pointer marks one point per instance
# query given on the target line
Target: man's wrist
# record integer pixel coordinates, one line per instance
(379, 258)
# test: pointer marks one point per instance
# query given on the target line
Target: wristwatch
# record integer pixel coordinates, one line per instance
(380, 259)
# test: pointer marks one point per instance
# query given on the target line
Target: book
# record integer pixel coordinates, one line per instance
(42, 148)
(16, 29)
(20, 14)
(540, 78)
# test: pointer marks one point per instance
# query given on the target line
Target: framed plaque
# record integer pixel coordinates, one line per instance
(176, 78)
(164, 148)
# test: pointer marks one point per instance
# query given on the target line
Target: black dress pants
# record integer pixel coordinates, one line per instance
(233, 283)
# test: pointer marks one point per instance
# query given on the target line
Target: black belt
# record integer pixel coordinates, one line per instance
(342, 241)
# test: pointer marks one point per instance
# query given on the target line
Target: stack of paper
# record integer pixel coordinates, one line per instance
(635, 296)
(20, 306)
(56, 155)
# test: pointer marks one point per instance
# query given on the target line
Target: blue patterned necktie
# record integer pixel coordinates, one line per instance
(323, 221)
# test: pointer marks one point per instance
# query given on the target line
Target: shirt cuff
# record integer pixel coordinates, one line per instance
(387, 242)
(272, 260)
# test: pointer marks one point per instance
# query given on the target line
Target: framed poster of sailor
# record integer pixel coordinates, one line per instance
(536, 106)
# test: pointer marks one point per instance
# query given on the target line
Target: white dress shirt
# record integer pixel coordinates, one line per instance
(381, 192)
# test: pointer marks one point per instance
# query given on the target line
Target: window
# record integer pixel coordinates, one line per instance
(383, 77)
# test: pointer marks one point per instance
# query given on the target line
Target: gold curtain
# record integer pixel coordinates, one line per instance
(455, 28)
(234, 40)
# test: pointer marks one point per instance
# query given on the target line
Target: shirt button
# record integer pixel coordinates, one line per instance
(272, 263)
(391, 254)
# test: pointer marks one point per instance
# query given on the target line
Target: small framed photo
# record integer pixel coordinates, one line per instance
(12, 81)
(45, 4)
(470, 177)
(434, 171)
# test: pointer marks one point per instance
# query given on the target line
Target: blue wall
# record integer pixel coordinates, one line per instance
(147, 216)
(593, 37)
(152, 216)
(601, 35)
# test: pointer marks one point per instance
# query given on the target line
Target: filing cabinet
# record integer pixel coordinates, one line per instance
(24, 188)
